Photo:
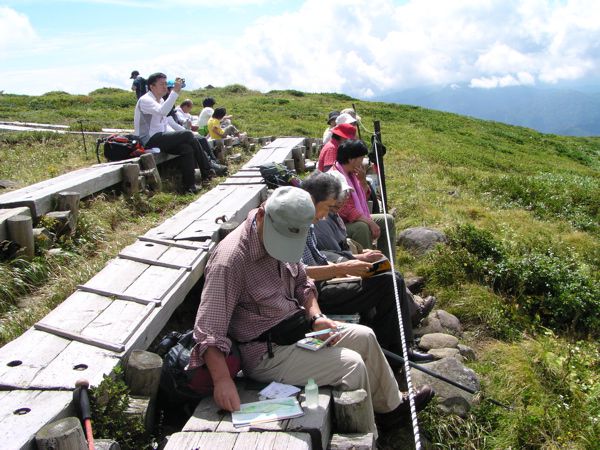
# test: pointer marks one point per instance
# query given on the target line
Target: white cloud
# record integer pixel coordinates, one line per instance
(357, 47)
(16, 33)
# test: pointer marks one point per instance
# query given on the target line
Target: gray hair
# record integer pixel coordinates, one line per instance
(322, 186)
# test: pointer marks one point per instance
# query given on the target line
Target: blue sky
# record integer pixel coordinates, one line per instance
(359, 47)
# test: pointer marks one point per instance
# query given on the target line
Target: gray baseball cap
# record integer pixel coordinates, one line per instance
(289, 212)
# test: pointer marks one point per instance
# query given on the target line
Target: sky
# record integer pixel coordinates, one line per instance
(362, 48)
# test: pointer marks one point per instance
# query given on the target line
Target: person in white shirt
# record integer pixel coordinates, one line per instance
(151, 125)
(183, 114)
(331, 122)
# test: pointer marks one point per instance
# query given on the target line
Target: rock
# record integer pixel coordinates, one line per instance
(439, 321)
(467, 352)
(438, 340)
(450, 399)
(4, 184)
(449, 322)
(420, 240)
(441, 353)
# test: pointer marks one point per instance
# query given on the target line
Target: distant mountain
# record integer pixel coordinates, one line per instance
(559, 111)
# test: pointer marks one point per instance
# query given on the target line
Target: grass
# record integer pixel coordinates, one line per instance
(521, 271)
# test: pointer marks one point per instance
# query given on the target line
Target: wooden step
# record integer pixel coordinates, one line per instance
(239, 441)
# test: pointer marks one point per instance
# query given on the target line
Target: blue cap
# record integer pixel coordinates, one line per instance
(170, 84)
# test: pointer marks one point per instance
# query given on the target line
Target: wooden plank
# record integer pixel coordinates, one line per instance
(118, 322)
(68, 334)
(119, 274)
(34, 410)
(117, 295)
(243, 181)
(164, 253)
(39, 197)
(155, 262)
(144, 336)
(193, 441)
(180, 221)
(76, 361)
(248, 396)
(189, 246)
(155, 282)
(317, 422)
(23, 358)
(76, 311)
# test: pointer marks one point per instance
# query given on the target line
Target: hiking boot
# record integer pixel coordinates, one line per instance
(419, 357)
(401, 415)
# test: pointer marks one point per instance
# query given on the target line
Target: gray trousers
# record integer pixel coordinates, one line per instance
(355, 362)
(361, 233)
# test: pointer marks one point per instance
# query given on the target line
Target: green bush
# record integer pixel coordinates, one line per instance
(109, 402)
(553, 289)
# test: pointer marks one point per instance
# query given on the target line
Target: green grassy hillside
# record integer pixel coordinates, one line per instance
(522, 270)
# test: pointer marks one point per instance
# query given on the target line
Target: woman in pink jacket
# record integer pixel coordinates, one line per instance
(361, 225)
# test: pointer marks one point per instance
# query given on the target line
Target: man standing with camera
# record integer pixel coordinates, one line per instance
(150, 121)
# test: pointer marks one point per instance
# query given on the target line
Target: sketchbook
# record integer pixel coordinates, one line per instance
(266, 411)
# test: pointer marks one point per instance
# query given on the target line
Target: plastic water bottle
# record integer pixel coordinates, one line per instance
(311, 394)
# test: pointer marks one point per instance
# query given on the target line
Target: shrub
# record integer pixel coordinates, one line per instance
(109, 402)
(552, 289)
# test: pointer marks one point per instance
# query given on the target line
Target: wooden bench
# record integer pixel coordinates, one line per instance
(120, 309)
(316, 422)
(39, 197)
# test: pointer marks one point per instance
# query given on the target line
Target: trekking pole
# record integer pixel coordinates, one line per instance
(83, 137)
(80, 395)
(442, 378)
(379, 158)
(358, 128)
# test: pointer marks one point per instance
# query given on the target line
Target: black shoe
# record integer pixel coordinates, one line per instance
(428, 305)
(417, 356)
(401, 415)
(191, 189)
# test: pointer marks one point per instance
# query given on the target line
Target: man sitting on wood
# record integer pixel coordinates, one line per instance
(150, 121)
(257, 292)
(371, 295)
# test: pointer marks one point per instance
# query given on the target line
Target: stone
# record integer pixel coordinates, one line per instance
(4, 184)
(440, 321)
(441, 353)
(438, 340)
(449, 322)
(420, 240)
(450, 399)
(467, 352)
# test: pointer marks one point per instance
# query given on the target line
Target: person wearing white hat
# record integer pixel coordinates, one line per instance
(257, 292)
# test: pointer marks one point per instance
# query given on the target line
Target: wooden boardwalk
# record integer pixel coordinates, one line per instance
(121, 308)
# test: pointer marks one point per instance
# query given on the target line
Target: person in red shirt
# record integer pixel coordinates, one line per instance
(328, 153)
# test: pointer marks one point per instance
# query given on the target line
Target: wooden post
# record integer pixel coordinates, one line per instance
(142, 373)
(69, 201)
(64, 222)
(20, 230)
(150, 171)
(351, 411)
(308, 143)
(289, 163)
(131, 184)
(64, 434)
(298, 155)
(227, 228)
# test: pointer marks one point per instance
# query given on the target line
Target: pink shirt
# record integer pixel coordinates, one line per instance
(246, 292)
(328, 155)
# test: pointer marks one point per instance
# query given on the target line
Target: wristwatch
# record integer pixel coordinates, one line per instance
(314, 318)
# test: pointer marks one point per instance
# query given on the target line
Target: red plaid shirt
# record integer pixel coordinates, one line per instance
(246, 292)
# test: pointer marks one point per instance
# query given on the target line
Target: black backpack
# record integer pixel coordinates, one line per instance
(119, 147)
(277, 175)
(178, 385)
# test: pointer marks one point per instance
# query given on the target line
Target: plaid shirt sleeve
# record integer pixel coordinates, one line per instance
(219, 298)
